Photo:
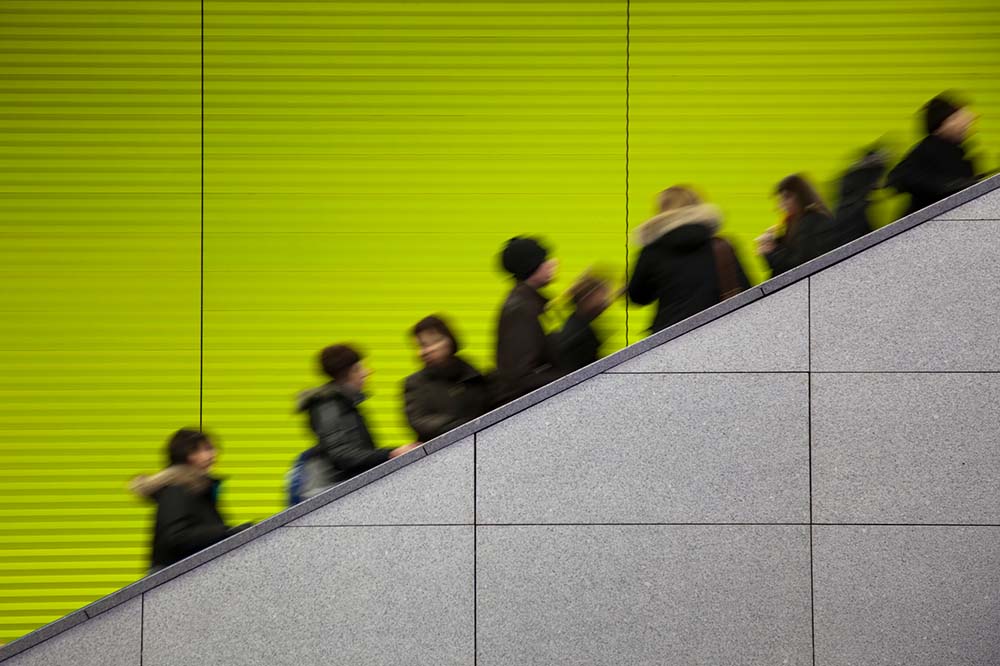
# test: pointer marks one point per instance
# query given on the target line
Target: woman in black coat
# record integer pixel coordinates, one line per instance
(809, 228)
(186, 496)
(683, 266)
(938, 166)
(447, 392)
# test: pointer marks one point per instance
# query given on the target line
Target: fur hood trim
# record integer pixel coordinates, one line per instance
(706, 215)
(176, 475)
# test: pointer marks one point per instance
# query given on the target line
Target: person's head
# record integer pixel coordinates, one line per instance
(436, 341)
(528, 261)
(676, 197)
(191, 447)
(796, 196)
(948, 118)
(591, 295)
(342, 363)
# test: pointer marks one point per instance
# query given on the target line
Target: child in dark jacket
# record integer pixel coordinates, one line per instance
(186, 497)
(579, 344)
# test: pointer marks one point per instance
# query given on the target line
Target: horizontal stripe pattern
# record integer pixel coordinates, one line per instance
(364, 162)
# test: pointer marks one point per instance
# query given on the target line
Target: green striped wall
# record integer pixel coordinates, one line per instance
(99, 286)
(363, 161)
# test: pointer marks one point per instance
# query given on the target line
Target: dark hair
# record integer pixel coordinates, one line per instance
(939, 109)
(183, 443)
(337, 360)
(803, 193)
(438, 325)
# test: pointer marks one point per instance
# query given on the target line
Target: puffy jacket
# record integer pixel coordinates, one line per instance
(187, 517)
(344, 444)
(676, 267)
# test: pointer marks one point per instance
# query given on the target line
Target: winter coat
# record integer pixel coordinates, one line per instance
(676, 266)
(439, 399)
(578, 343)
(344, 446)
(526, 356)
(861, 179)
(810, 235)
(187, 519)
(934, 169)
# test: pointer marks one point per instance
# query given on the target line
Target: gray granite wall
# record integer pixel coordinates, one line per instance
(811, 479)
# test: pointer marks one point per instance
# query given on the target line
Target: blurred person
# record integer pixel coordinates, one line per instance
(579, 344)
(857, 185)
(186, 497)
(938, 166)
(809, 229)
(344, 446)
(448, 391)
(683, 266)
(526, 356)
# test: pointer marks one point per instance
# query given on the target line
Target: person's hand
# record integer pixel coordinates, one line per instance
(765, 243)
(766, 247)
(403, 449)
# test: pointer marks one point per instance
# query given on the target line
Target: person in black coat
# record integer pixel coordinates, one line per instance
(809, 228)
(579, 344)
(447, 392)
(187, 516)
(857, 185)
(938, 166)
(526, 355)
(345, 446)
(682, 266)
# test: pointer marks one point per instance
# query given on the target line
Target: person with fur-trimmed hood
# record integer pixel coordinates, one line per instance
(186, 497)
(683, 266)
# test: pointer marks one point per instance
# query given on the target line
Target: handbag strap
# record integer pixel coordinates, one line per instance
(725, 268)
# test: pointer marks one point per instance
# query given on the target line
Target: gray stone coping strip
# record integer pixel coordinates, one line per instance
(496, 416)
(43, 634)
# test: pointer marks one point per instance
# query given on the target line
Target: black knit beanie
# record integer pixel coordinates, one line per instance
(523, 256)
(937, 111)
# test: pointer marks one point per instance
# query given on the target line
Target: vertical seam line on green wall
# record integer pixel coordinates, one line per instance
(201, 266)
(628, 53)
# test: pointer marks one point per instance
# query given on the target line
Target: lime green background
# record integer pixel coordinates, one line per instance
(363, 162)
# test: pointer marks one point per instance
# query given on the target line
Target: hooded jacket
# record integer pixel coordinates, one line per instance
(934, 169)
(187, 519)
(344, 446)
(676, 266)
(439, 399)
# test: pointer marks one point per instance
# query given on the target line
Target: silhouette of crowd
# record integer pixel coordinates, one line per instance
(683, 266)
